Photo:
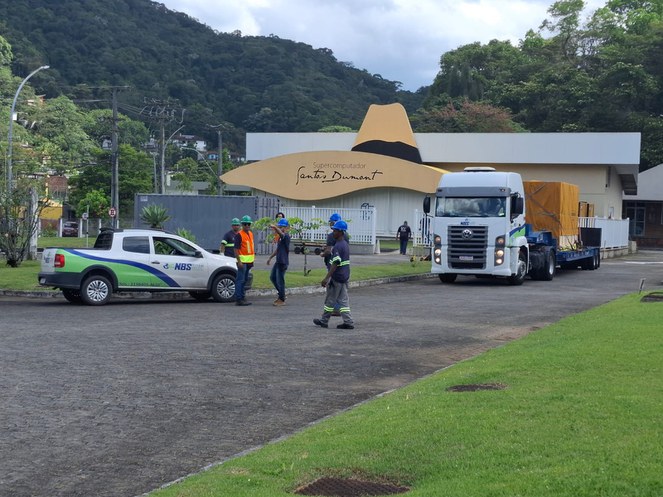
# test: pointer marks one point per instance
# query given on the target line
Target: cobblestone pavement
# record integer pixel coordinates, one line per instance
(118, 400)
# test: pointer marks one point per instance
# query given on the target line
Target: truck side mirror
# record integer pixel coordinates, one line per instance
(517, 206)
(427, 205)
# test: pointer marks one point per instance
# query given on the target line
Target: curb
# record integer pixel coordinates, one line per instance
(303, 290)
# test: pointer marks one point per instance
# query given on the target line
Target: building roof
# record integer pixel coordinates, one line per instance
(650, 185)
(620, 151)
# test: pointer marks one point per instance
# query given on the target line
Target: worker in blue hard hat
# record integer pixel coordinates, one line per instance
(281, 252)
(326, 252)
(245, 254)
(336, 281)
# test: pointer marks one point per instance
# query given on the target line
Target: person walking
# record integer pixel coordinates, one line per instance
(228, 242)
(245, 254)
(404, 234)
(336, 281)
(282, 251)
(326, 251)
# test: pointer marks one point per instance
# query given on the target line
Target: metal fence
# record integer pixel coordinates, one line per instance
(361, 222)
(614, 232)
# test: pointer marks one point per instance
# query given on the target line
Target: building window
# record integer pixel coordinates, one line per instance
(635, 211)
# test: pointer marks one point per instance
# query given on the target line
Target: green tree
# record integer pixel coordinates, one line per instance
(135, 176)
(464, 116)
(95, 202)
(20, 209)
(6, 55)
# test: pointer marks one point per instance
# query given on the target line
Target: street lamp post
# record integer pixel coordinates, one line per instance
(11, 127)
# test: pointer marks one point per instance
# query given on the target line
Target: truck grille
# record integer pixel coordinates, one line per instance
(467, 247)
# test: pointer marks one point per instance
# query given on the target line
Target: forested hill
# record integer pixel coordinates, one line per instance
(254, 83)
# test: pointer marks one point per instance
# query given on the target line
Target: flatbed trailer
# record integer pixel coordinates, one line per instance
(588, 258)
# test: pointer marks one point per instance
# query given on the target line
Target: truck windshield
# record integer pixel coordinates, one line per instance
(471, 207)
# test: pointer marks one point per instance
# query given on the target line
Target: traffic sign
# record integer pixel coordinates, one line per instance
(112, 212)
(84, 216)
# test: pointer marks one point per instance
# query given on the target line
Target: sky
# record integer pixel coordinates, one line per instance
(401, 40)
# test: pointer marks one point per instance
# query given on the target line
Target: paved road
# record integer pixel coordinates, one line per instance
(118, 400)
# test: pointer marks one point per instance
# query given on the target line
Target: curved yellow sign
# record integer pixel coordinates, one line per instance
(319, 175)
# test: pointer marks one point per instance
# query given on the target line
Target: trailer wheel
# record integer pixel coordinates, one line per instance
(519, 277)
(547, 272)
(448, 278)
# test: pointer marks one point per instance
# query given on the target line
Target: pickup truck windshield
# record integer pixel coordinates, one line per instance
(470, 207)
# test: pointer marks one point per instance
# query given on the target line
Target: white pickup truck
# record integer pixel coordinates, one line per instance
(137, 260)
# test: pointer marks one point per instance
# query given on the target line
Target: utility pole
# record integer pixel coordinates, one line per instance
(162, 112)
(219, 186)
(115, 194)
(219, 183)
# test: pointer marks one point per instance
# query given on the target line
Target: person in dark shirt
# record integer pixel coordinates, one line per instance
(336, 281)
(282, 251)
(228, 242)
(404, 234)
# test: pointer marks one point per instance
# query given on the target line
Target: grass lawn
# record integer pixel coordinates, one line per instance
(581, 414)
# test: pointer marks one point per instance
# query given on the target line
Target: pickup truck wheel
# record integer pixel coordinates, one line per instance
(200, 296)
(96, 290)
(521, 271)
(448, 278)
(223, 288)
(73, 296)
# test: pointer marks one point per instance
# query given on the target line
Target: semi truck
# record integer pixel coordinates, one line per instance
(481, 228)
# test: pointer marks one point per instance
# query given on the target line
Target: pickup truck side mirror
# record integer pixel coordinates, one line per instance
(198, 254)
(427, 205)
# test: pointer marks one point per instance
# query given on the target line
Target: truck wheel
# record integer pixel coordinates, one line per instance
(448, 278)
(519, 277)
(223, 288)
(200, 296)
(96, 290)
(547, 272)
(73, 296)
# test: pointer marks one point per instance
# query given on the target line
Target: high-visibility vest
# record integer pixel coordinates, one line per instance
(246, 253)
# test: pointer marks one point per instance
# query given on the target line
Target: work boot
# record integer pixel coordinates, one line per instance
(319, 323)
(278, 302)
(345, 327)
(243, 302)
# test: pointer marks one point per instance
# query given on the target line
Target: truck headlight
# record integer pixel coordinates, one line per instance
(500, 242)
(437, 240)
(437, 252)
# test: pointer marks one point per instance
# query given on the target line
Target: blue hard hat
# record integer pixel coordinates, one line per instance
(340, 226)
(283, 222)
(335, 217)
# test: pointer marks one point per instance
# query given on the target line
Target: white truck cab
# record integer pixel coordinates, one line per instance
(478, 221)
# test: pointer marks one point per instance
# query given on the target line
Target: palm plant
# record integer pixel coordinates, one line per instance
(154, 215)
